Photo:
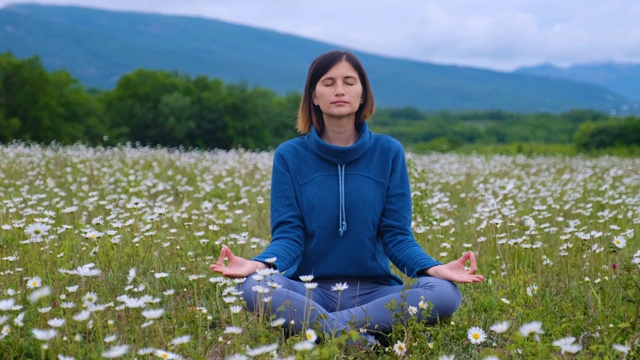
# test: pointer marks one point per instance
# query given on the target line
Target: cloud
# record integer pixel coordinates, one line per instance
(498, 34)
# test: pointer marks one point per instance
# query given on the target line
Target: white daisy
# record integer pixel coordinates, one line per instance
(44, 334)
(400, 348)
(116, 351)
(476, 335)
(34, 282)
(500, 327)
(340, 287)
(153, 313)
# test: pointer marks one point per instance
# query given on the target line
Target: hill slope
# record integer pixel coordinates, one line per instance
(620, 77)
(98, 47)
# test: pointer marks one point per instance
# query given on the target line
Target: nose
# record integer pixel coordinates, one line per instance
(339, 89)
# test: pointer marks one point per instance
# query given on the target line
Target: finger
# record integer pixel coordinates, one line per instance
(470, 279)
(217, 268)
(225, 254)
(474, 263)
(222, 257)
(464, 258)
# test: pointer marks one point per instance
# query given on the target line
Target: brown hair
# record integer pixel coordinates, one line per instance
(308, 114)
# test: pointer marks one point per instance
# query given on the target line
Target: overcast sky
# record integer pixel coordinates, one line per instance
(493, 34)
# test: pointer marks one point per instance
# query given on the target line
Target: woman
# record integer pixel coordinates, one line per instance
(341, 211)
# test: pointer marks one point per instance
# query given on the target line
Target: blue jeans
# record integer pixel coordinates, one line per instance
(363, 305)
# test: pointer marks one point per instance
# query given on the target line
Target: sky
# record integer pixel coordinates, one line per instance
(493, 34)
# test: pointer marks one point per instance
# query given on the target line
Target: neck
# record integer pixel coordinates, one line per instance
(341, 134)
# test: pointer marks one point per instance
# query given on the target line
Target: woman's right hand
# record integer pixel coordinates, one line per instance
(237, 266)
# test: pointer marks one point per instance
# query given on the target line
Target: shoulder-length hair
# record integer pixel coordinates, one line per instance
(308, 114)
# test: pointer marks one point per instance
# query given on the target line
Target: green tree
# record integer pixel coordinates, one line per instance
(39, 106)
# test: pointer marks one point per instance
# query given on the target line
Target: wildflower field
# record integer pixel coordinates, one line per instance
(105, 254)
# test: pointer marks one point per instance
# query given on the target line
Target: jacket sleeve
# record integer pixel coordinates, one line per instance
(395, 226)
(287, 225)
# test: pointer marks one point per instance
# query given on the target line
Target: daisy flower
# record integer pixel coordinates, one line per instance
(567, 344)
(90, 297)
(534, 327)
(153, 313)
(37, 229)
(263, 350)
(180, 340)
(476, 335)
(303, 346)
(340, 287)
(310, 335)
(110, 338)
(233, 330)
(34, 282)
(622, 348)
(306, 278)
(116, 351)
(56, 323)
(82, 316)
(619, 241)
(44, 335)
(6, 330)
(311, 285)
(166, 355)
(145, 351)
(93, 234)
(532, 289)
(39, 294)
(500, 327)
(400, 348)
(278, 322)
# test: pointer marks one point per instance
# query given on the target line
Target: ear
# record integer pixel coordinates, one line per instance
(313, 96)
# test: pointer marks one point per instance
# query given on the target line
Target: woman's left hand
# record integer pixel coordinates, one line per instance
(455, 271)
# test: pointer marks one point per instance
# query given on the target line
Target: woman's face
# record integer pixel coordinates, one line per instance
(339, 92)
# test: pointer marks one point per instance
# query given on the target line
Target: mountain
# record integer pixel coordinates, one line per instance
(98, 47)
(623, 78)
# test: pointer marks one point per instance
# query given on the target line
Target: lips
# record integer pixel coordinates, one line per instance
(339, 102)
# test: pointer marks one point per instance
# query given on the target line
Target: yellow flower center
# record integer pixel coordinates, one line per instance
(164, 356)
(476, 336)
(34, 283)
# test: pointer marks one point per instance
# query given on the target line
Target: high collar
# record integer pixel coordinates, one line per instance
(340, 154)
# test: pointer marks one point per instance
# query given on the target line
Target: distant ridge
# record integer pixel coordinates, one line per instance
(98, 46)
(623, 78)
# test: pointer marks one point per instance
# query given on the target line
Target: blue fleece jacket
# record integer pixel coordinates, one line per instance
(343, 212)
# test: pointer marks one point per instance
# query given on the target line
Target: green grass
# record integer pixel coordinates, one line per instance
(548, 221)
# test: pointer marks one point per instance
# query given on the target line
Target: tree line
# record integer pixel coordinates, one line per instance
(145, 107)
(161, 108)
(586, 130)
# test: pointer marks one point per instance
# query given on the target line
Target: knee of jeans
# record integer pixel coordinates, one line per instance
(444, 296)
(450, 298)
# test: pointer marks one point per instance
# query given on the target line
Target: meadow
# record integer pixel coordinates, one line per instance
(105, 253)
